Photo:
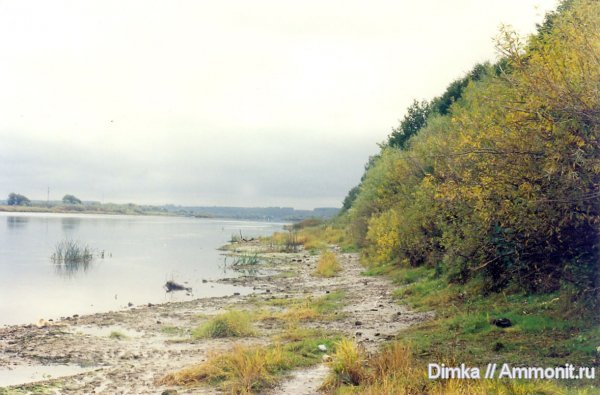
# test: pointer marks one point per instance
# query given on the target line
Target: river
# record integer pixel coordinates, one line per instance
(141, 253)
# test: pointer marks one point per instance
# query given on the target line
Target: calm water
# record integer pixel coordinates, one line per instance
(141, 254)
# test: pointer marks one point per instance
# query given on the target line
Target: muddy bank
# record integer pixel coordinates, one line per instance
(127, 351)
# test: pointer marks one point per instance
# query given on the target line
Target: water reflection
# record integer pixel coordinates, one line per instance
(70, 223)
(15, 222)
(70, 269)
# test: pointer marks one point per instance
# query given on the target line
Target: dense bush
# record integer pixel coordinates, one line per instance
(506, 184)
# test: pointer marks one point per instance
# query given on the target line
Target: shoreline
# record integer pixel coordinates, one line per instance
(157, 339)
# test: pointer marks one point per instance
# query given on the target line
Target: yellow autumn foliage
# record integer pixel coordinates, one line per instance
(507, 184)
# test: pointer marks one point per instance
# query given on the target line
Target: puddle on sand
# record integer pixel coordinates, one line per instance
(30, 374)
(106, 331)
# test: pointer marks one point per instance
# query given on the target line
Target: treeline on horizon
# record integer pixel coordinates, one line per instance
(70, 203)
(498, 178)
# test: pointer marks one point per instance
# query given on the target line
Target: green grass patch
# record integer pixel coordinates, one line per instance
(286, 274)
(117, 335)
(324, 304)
(27, 389)
(172, 330)
(543, 332)
(325, 307)
(232, 323)
(330, 302)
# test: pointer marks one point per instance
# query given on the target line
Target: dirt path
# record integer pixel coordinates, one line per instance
(126, 352)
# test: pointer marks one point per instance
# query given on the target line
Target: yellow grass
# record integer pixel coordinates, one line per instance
(393, 371)
(300, 313)
(328, 265)
(243, 370)
(348, 365)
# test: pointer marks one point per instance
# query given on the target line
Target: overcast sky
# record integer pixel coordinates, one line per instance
(248, 103)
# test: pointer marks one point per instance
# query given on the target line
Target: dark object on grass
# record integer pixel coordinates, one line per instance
(502, 322)
(498, 346)
(173, 286)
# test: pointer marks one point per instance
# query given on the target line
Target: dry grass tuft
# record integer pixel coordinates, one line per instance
(348, 365)
(301, 312)
(230, 324)
(243, 370)
(328, 265)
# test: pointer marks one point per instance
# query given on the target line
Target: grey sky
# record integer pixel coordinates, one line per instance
(248, 103)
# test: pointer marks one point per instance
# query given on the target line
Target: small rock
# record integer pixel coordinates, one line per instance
(322, 347)
(236, 294)
(374, 310)
(358, 333)
(129, 304)
(204, 281)
(327, 291)
(268, 291)
(357, 323)
(169, 392)
(159, 322)
(502, 322)
(377, 334)
(498, 346)
(381, 305)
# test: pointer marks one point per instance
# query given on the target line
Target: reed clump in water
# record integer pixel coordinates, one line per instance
(69, 252)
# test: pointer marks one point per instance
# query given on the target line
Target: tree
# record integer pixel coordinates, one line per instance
(413, 121)
(350, 198)
(15, 199)
(70, 199)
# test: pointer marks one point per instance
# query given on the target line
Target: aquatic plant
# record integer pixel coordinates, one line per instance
(70, 257)
(69, 252)
(246, 259)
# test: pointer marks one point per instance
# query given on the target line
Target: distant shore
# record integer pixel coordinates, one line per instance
(76, 209)
(269, 214)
